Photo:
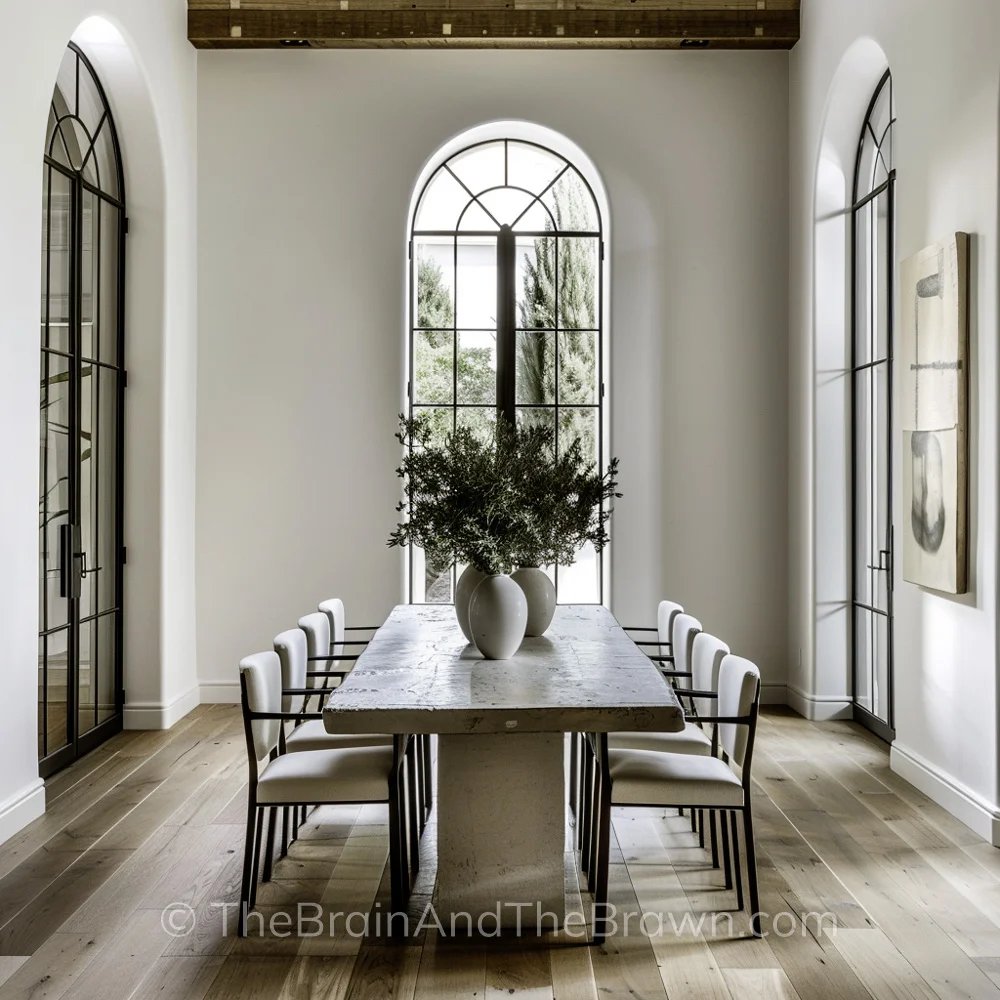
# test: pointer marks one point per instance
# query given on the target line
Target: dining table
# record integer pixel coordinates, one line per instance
(501, 730)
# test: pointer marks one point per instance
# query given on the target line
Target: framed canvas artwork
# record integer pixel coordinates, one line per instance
(934, 286)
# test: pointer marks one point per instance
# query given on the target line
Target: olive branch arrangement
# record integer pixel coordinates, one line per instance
(501, 501)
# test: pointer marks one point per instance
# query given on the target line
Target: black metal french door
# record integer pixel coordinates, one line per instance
(81, 551)
(873, 293)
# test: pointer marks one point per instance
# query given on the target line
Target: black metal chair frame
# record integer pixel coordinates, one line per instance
(595, 852)
(401, 872)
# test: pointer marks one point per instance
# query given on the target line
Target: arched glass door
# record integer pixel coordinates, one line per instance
(506, 316)
(874, 281)
(81, 553)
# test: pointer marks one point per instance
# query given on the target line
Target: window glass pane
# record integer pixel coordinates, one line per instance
(531, 417)
(435, 291)
(863, 321)
(580, 425)
(481, 420)
(434, 366)
(571, 204)
(106, 161)
(476, 294)
(108, 238)
(86, 691)
(481, 167)
(440, 419)
(532, 168)
(107, 647)
(577, 265)
(535, 282)
(580, 582)
(578, 368)
(56, 239)
(477, 367)
(442, 203)
(432, 577)
(866, 166)
(536, 219)
(89, 292)
(88, 391)
(536, 368)
(103, 561)
(505, 204)
(91, 107)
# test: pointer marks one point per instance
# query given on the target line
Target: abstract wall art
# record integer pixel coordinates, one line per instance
(934, 368)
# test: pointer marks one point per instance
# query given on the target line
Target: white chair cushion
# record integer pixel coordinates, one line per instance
(312, 735)
(645, 777)
(691, 740)
(350, 775)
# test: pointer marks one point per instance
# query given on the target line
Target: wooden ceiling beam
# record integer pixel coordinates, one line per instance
(493, 23)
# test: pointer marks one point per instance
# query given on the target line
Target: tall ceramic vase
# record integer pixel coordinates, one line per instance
(467, 583)
(540, 592)
(498, 616)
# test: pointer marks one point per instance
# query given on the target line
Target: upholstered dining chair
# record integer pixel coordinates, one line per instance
(692, 781)
(311, 777)
(666, 612)
(674, 666)
(292, 650)
(327, 667)
(334, 610)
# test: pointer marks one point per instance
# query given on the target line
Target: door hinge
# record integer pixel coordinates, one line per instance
(602, 249)
(409, 390)
(124, 554)
(409, 251)
(126, 225)
(602, 390)
(124, 377)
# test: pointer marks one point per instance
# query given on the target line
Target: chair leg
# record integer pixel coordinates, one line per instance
(751, 871)
(701, 828)
(602, 861)
(272, 822)
(258, 837)
(295, 823)
(586, 823)
(713, 835)
(694, 820)
(726, 860)
(285, 813)
(248, 865)
(736, 862)
(428, 776)
(415, 805)
(397, 896)
(573, 769)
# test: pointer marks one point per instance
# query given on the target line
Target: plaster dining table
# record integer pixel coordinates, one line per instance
(501, 725)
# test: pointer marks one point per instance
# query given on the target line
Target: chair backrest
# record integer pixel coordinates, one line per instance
(707, 654)
(739, 694)
(334, 611)
(261, 674)
(317, 629)
(292, 650)
(665, 615)
(685, 629)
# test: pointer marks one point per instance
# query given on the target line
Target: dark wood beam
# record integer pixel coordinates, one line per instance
(493, 23)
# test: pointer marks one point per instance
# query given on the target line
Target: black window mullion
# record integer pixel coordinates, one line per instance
(506, 323)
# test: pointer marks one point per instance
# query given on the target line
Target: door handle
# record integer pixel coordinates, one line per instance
(70, 560)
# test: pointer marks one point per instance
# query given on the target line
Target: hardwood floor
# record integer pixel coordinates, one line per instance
(871, 890)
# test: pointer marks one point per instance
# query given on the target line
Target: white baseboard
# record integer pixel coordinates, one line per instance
(21, 808)
(152, 715)
(819, 708)
(220, 693)
(975, 811)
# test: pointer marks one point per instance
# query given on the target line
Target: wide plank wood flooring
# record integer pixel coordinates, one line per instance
(871, 891)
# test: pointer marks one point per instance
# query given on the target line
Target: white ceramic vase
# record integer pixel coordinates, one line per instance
(540, 592)
(498, 616)
(467, 583)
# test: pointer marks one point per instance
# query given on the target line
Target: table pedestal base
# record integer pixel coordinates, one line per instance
(501, 829)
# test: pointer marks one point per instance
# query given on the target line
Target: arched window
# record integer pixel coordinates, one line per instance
(82, 393)
(874, 281)
(506, 314)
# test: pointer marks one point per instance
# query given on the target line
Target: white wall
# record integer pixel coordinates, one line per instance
(150, 74)
(307, 163)
(946, 72)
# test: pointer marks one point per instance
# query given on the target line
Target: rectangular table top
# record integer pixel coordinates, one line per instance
(418, 675)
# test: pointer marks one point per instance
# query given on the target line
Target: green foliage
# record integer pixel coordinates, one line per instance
(500, 501)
